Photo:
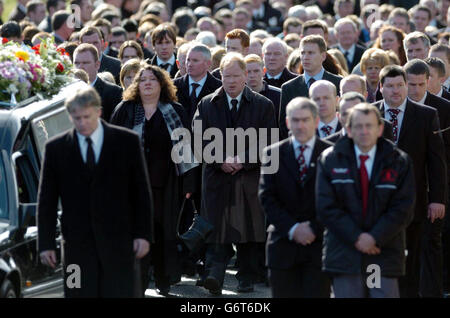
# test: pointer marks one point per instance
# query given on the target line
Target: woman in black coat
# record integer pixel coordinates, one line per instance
(150, 109)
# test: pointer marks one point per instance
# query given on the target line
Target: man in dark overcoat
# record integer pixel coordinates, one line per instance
(230, 178)
(98, 172)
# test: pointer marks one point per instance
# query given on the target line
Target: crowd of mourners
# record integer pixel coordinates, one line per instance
(358, 92)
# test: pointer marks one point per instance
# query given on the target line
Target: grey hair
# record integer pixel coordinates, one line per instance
(83, 98)
(302, 103)
(414, 37)
(275, 40)
(202, 48)
(351, 96)
(207, 37)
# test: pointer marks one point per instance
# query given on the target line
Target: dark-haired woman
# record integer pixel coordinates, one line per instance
(150, 108)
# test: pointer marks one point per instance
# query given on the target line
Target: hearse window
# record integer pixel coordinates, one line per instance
(26, 180)
(49, 125)
(4, 213)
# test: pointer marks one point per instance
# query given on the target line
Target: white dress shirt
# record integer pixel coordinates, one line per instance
(97, 142)
(351, 52)
(369, 162)
(199, 88)
(171, 61)
(440, 92)
(333, 124)
(307, 153)
(274, 77)
(400, 115)
(239, 97)
(422, 101)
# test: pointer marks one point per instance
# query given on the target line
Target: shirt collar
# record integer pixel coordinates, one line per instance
(95, 136)
(332, 123)
(350, 51)
(274, 77)
(371, 152)
(317, 77)
(171, 61)
(95, 80)
(200, 82)
(239, 97)
(310, 143)
(422, 101)
(440, 92)
(259, 12)
(402, 107)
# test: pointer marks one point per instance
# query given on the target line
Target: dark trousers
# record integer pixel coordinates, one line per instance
(305, 280)
(446, 251)
(409, 284)
(218, 256)
(97, 280)
(431, 269)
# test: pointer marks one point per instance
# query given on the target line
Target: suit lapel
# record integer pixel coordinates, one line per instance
(290, 161)
(311, 172)
(408, 120)
(106, 147)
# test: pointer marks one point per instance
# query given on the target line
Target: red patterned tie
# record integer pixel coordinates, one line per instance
(326, 130)
(303, 167)
(394, 120)
(364, 176)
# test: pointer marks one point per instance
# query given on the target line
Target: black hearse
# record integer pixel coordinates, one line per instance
(24, 129)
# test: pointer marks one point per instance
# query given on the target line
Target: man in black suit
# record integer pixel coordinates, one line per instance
(275, 54)
(85, 57)
(272, 18)
(98, 172)
(61, 28)
(224, 4)
(52, 7)
(437, 77)
(346, 103)
(417, 76)
(256, 81)
(230, 180)
(163, 41)
(198, 82)
(324, 93)
(414, 129)
(294, 244)
(20, 11)
(93, 35)
(314, 51)
(347, 36)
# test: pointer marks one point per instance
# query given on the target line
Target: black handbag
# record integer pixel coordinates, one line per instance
(195, 237)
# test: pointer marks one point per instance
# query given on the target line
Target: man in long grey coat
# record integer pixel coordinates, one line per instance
(230, 180)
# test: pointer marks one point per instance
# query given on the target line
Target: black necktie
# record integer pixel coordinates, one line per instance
(165, 66)
(234, 109)
(90, 157)
(311, 81)
(193, 96)
(346, 54)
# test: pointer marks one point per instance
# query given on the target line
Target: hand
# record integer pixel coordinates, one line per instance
(48, 258)
(236, 167)
(141, 247)
(366, 244)
(436, 211)
(188, 195)
(227, 167)
(303, 234)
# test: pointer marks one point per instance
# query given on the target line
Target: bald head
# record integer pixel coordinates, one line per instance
(323, 84)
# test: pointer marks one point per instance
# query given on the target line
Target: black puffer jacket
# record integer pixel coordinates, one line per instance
(389, 211)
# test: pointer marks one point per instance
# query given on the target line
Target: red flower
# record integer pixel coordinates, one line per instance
(4, 40)
(60, 67)
(36, 48)
(61, 50)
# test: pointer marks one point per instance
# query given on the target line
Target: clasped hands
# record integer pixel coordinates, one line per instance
(366, 244)
(303, 234)
(232, 165)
